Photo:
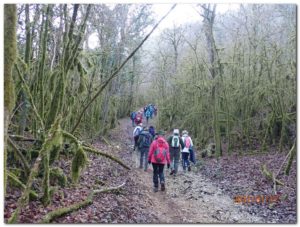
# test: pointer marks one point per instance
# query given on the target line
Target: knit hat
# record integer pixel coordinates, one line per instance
(176, 131)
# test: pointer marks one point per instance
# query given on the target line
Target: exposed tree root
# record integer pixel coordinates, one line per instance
(89, 200)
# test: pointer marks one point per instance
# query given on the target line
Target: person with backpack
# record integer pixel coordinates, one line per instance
(188, 144)
(138, 118)
(159, 156)
(147, 115)
(175, 142)
(132, 117)
(152, 131)
(136, 132)
(144, 141)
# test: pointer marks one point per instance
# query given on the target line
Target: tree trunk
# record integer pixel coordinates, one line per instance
(10, 44)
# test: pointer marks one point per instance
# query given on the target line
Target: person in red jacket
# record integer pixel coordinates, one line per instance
(159, 156)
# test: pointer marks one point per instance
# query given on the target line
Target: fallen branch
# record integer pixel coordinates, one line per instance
(112, 189)
(106, 141)
(292, 155)
(89, 200)
(65, 210)
(269, 175)
(94, 151)
(21, 157)
(14, 178)
(22, 138)
(288, 155)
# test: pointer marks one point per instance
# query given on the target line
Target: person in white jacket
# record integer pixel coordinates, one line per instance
(136, 132)
(188, 144)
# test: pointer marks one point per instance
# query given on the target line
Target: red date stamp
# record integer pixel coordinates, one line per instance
(256, 199)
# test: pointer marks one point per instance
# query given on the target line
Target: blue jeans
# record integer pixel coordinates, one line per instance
(185, 160)
(158, 172)
(144, 158)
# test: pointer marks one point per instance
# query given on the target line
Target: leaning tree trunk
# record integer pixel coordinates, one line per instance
(10, 44)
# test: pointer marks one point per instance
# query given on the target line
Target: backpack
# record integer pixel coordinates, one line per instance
(137, 131)
(187, 142)
(138, 118)
(175, 141)
(160, 155)
(145, 140)
(148, 113)
(152, 131)
(133, 114)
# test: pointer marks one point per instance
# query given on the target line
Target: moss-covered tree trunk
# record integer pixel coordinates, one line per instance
(209, 17)
(10, 43)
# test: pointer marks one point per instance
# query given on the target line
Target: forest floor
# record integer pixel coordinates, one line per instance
(204, 195)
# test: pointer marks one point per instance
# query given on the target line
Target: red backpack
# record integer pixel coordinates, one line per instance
(160, 154)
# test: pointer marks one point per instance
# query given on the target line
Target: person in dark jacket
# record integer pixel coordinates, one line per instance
(175, 142)
(152, 131)
(144, 141)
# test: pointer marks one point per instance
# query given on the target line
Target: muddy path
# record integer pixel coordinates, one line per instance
(189, 198)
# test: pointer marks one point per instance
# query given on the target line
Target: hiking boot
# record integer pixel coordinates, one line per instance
(189, 168)
(163, 186)
(172, 172)
(155, 189)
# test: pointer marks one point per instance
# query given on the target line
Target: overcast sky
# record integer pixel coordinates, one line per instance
(182, 14)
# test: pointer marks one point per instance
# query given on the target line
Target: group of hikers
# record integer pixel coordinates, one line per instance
(156, 150)
(148, 111)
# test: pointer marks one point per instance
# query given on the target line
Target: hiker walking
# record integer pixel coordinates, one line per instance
(138, 118)
(144, 141)
(152, 131)
(136, 132)
(148, 115)
(159, 156)
(188, 144)
(175, 142)
(132, 117)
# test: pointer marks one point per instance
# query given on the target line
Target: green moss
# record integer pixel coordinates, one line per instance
(57, 175)
(17, 183)
(78, 163)
(10, 44)
(46, 180)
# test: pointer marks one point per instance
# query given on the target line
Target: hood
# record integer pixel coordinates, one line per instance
(160, 141)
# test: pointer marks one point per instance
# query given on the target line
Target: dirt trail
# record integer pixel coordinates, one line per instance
(189, 198)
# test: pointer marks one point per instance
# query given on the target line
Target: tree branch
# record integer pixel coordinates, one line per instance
(114, 74)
